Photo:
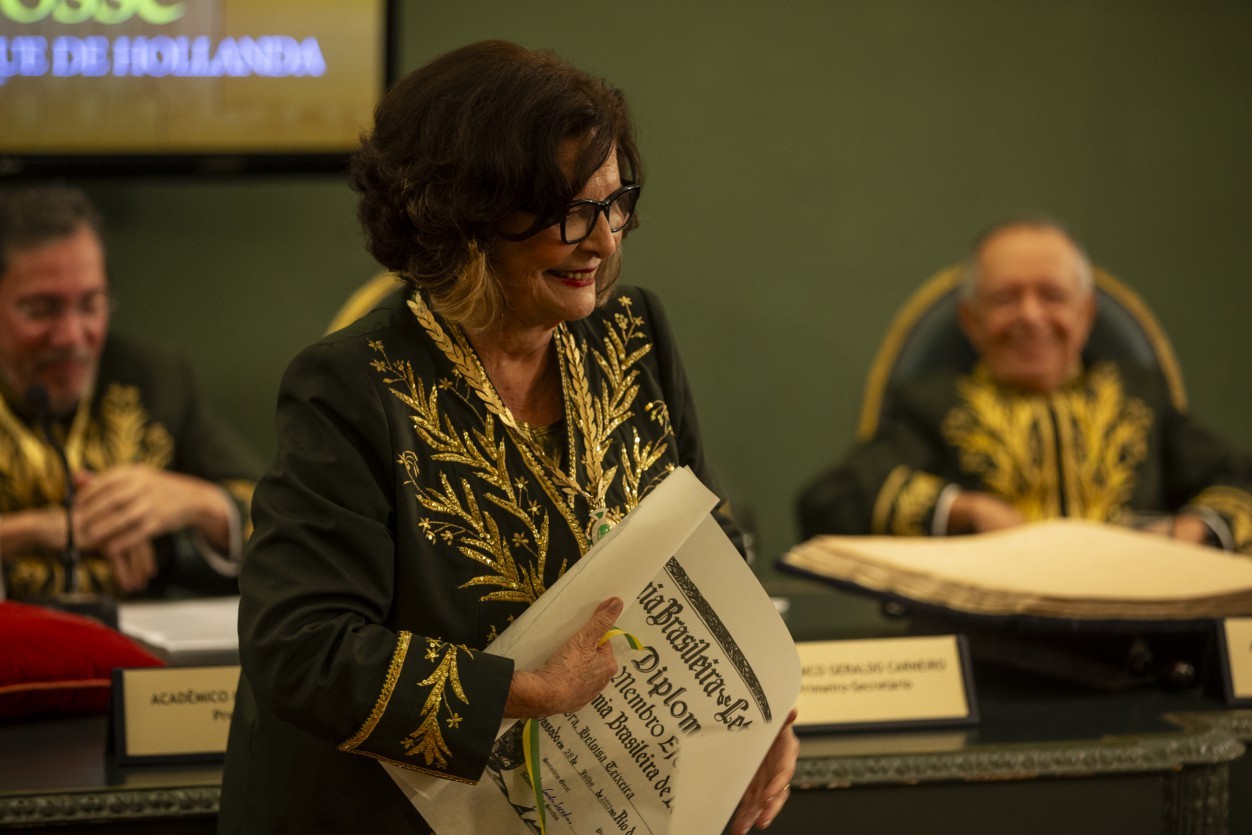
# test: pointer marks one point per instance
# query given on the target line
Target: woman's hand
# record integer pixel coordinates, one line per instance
(573, 675)
(771, 785)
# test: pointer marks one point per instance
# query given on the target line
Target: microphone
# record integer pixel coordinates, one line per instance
(71, 598)
(37, 402)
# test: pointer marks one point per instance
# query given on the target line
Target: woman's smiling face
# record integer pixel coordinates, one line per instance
(547, 281)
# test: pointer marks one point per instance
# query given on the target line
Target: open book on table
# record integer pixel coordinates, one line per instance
(1063, 568)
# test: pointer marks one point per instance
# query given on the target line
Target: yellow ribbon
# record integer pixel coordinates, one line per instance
(530, 737)
(614, 632)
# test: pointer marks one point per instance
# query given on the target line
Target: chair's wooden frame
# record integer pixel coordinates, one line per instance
(363, 300)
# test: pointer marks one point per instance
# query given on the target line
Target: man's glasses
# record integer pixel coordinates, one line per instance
(581, 216)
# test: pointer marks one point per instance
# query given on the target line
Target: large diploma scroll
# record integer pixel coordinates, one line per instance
(671, 743)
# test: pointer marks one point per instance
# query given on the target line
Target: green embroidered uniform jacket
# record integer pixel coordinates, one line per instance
(408, 520)
(1106, 447)
(144, 409)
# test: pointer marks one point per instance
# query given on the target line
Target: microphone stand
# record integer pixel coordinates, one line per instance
(71, 599)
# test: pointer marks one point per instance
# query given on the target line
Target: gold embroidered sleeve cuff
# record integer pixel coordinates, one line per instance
(438, 710)
(906, 503)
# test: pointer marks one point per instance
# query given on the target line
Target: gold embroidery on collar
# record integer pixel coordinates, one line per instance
(29, 468)
(600, 415)
(126, 433)
(457, 515)
(592, 418)
(1082, 442)
(123, 434)
(461, 354)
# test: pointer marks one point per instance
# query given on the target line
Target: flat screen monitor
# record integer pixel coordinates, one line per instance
(91, 87)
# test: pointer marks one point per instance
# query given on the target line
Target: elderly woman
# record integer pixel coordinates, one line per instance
(444, 460)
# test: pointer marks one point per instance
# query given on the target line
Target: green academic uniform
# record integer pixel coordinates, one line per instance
(144, 409)
(1109, 446)
(408, 521)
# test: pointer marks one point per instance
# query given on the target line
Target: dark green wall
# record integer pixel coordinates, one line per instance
(809, 164)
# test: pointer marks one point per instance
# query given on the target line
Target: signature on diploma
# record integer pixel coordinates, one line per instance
(555, 805)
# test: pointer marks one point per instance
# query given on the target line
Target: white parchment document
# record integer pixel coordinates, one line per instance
(671, 743)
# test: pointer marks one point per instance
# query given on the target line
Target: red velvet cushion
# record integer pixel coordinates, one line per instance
(54, 662)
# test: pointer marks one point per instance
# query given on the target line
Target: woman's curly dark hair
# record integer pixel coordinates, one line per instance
(464, 141)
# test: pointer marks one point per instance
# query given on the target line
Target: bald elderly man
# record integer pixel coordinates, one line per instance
(1030, 432)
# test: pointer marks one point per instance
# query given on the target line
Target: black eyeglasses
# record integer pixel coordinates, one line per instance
(581, 217)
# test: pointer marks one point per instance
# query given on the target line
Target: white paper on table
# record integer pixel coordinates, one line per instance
(181, 629)
(718, 647)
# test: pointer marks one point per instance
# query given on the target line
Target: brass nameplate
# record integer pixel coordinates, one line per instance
(1236, 640)
(173, 713)
(855, 685)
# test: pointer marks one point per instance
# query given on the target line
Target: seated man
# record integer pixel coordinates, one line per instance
(160, 486)
(1030, 433)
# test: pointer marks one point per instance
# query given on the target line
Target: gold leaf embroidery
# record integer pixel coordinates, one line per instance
(463, 515)
(126, 434)
(905, 500)
(123, 432)
(1082, 443)
(457, 516)
(427, 741)
(598, 417)
(477, 503)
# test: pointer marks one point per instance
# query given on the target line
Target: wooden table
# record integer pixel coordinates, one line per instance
(54, 773)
